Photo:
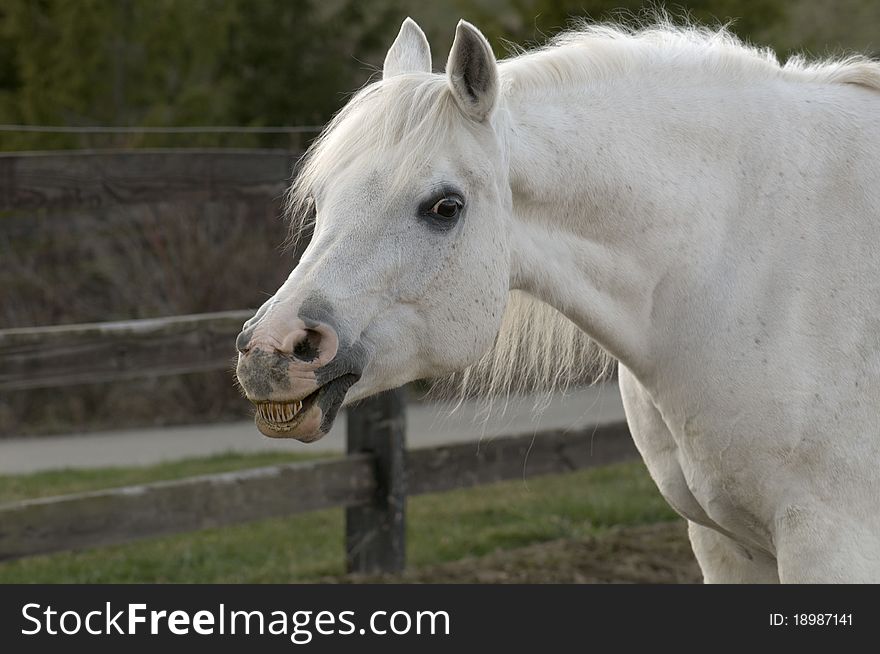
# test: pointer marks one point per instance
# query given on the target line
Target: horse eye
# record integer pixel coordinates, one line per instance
(447, 208)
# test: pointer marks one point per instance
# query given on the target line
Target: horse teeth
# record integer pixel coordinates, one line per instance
(280, 412)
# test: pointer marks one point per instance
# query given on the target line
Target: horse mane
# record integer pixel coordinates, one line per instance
(537, 347)
(537, 350)
(591, 52)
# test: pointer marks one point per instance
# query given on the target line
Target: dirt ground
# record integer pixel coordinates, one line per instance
(651, 554)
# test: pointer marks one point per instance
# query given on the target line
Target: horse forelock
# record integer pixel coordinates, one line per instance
(405, 117)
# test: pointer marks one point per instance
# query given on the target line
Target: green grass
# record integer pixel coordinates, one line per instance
(442, 527)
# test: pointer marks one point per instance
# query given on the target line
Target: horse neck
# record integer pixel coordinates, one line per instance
(619, 201)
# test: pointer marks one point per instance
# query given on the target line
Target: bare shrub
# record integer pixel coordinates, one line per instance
(137, 261)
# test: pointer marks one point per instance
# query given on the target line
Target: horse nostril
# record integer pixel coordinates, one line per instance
(242, 342)
(307, 345)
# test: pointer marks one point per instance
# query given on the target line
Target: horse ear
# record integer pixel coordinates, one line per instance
(410, 52)
(472, 72)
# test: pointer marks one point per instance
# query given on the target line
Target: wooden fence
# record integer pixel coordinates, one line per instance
(93, 180)
(372, 481)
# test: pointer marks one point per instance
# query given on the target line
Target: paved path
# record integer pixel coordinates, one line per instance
(427, 424)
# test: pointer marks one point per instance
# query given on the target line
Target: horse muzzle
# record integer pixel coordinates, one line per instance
(295, 371)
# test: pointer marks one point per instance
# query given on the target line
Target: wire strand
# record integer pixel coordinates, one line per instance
(205, 129)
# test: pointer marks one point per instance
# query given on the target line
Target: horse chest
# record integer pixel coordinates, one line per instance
(706, 478)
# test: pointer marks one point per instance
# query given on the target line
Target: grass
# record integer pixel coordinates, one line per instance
(63, 482)
(442, 527)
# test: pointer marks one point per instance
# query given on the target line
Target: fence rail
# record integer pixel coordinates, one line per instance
(92, 180)
(64, 355)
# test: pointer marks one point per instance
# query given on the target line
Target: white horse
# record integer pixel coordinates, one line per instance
(709, 217)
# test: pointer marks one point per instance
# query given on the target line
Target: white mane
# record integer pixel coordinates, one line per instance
(538, 348)
(594, 52)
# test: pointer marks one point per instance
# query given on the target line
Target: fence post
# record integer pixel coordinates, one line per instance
(375, 534)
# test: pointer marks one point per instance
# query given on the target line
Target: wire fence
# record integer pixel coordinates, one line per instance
(16, 137)
(184, 129)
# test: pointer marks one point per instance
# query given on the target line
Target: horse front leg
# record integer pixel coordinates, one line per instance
(724, 561)
(827, 545)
